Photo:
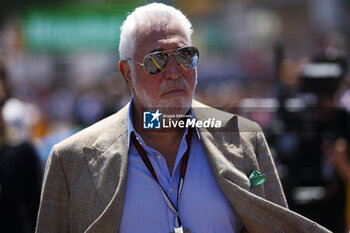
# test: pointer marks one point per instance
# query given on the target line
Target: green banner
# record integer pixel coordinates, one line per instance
(73, 28)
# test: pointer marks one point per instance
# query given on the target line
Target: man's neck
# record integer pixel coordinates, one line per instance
(161, 136)
(165, 141)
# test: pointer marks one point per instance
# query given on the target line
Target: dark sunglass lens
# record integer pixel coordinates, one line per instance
(188, 57)
(155, 62)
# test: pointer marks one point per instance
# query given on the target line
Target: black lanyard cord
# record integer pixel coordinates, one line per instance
(148, 164)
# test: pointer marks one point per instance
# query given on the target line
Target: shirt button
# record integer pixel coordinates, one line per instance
(171, 190)
(159, 157)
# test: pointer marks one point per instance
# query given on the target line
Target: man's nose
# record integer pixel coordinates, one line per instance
(173, 69)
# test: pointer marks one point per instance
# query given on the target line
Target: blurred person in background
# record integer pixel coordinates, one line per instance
(312, 182)
(20, 174)
(331, 125)
(339, 156)
(116, 177)
(334, 131)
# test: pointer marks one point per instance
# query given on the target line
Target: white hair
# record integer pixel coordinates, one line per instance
(147, 18)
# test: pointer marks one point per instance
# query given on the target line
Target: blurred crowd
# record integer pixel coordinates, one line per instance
(283, 64)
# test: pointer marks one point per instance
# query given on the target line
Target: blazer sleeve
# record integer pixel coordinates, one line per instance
(272, 185)
(53, 210)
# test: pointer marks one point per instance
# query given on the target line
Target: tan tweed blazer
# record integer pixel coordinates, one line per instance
(85, 177)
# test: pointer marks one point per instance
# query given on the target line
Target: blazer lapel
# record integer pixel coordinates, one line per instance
(226, 159)
(222, 146)
(108, 162)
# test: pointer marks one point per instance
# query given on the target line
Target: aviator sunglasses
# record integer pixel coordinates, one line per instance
(155, 62)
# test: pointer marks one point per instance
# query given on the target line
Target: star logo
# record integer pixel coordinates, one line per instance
(156, 115)
(151, 120)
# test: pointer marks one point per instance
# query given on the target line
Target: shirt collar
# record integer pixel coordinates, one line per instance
(130, 124)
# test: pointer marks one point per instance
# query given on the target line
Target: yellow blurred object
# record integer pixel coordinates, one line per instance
(289, 71)
(41, 128)
(198, 7)
(347, 208)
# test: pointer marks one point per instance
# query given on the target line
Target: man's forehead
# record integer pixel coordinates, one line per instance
(170, 37)
(172, 40)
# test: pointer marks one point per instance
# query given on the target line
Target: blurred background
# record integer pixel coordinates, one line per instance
(282, 63)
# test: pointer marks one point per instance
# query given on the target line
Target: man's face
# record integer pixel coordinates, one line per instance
(174, 86)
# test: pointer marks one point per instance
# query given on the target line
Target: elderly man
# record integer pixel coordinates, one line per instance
(117, 176)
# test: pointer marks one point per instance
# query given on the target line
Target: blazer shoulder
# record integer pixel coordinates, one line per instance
(247, 125)
(106, 128)
(231, 121)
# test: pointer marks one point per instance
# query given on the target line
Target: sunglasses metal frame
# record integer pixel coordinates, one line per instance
(168, 52)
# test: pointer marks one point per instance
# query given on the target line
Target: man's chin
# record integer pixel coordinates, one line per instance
(176, 103)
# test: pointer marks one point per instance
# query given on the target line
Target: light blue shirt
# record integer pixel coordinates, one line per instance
(203, 207)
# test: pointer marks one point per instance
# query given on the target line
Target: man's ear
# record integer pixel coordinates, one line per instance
(125, 70)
